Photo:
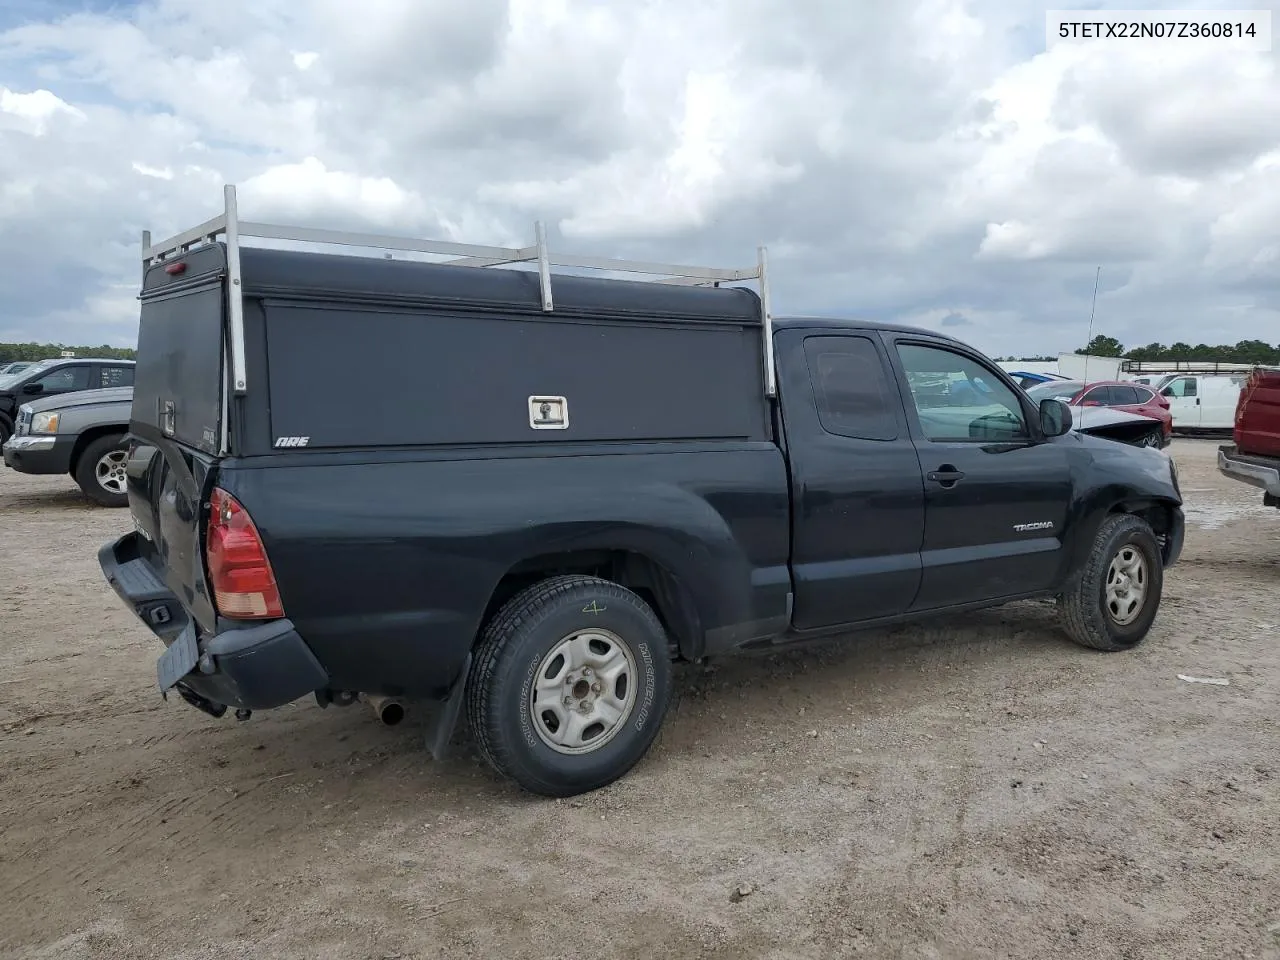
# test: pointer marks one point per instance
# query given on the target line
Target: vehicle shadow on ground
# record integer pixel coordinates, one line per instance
(707, 697)
(340, 771)
(1265, 565)
(69, 498)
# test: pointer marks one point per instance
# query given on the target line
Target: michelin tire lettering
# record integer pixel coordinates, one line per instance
(649, 686)
(525, 726)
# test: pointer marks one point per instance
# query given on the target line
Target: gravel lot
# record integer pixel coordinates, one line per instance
(978, 787)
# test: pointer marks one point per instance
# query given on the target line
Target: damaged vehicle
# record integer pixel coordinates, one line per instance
(1149, 422)
(1112, 424)
(565, 485)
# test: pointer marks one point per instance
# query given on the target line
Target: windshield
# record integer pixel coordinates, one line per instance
(8, 380)
(1062, 390)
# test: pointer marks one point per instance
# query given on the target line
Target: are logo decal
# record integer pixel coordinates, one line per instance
(292, 441)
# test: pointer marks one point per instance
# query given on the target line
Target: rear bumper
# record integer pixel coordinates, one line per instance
(252, 667)
(39, 454)
(1255, 471)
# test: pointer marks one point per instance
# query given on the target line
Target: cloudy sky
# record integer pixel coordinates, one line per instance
(927, 161)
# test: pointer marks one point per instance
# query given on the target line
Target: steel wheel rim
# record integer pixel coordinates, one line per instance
(110, 471)
(583, 691)
(1125, 590)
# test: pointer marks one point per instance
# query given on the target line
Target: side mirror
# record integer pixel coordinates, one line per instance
(29, 388)
(1055, 418)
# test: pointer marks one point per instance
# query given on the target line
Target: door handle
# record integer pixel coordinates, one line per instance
(946, 475)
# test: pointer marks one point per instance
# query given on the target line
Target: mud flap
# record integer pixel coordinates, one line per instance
(438, 737)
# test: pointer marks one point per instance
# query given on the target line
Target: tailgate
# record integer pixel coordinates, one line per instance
(167, 491)
(1257, 426)
(176, 419)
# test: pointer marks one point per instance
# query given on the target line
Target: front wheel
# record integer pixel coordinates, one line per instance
(1113, 603)
(570, 685)
(100, 471)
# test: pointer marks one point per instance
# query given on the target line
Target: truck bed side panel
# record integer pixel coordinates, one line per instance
(386, 563)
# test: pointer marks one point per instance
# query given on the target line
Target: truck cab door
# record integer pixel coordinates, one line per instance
(1183, 394)
(857, 494)
(997, 492)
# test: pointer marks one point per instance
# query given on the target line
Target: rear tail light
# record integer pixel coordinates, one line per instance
(244, 585)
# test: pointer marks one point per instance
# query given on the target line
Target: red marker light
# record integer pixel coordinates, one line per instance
(174, 269)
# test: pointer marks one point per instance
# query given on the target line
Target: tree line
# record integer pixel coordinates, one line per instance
(1246, 351)
(9, 352)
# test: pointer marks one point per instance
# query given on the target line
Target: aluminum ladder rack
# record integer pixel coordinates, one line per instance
(229, 226)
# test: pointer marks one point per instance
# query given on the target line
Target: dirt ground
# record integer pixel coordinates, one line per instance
(978, 787)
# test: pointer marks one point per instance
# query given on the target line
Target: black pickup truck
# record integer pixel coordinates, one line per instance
(548, 493)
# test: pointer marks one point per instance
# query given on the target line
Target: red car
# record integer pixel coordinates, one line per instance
(1130, 397)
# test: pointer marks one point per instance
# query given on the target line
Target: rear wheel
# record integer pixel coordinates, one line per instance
(1115, 600)
(100, 471)
(570, 685)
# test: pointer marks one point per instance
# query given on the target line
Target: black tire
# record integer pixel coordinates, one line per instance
(1088, 616)
(1154, 439)
(6, 431)
(105, 493)
(512, 647)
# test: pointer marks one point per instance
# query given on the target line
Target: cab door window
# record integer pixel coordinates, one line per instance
(958, 398)
(65, 379)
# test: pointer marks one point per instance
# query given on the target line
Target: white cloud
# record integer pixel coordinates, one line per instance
(159, 173)
(307, 190)
(904, 160)
(34, 113)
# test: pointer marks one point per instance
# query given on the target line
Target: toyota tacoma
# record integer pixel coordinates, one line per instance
(552, 487)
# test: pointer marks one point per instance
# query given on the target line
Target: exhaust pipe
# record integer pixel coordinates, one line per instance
(390, 710)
